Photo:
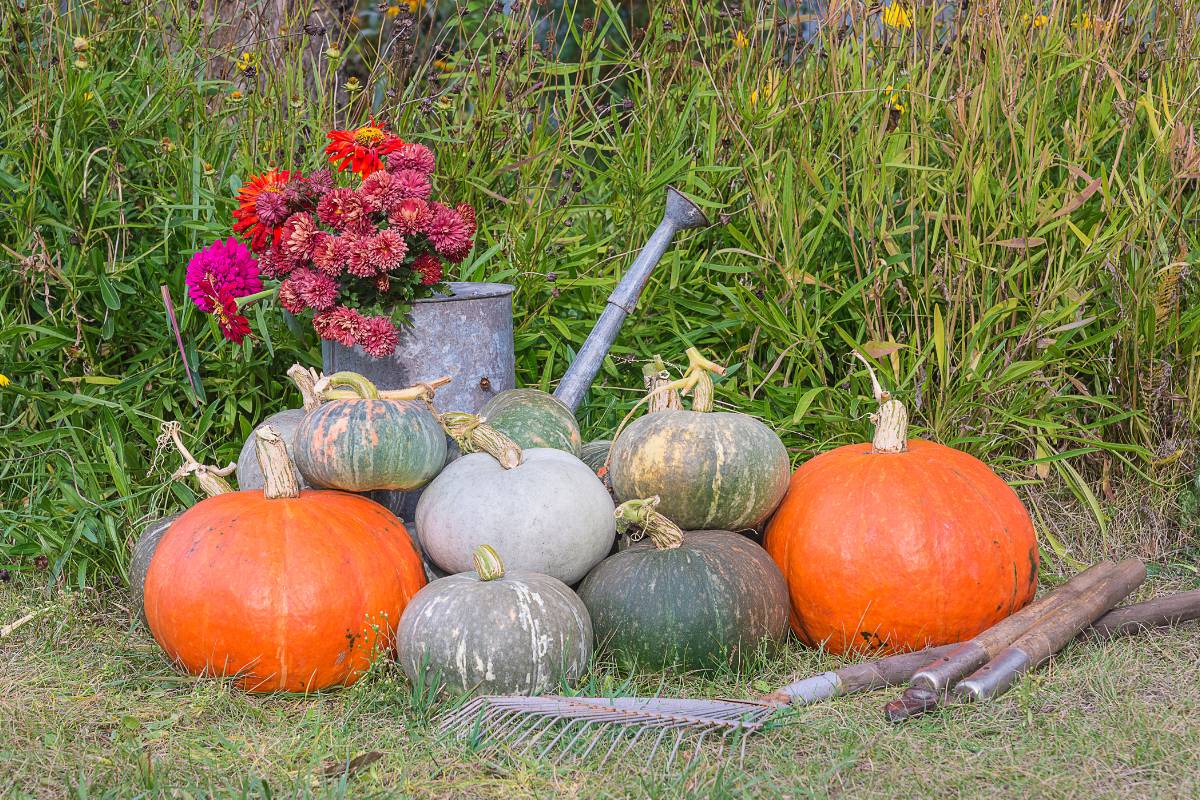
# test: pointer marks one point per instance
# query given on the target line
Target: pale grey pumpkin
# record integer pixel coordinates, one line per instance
(543, 510)
(139, 561)
(284, 423)
(495, 632)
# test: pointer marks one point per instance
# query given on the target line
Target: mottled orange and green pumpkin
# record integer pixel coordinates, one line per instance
(713, 470)
(367, 443)
(533, 418)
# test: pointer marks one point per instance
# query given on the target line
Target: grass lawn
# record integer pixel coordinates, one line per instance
(89, 708)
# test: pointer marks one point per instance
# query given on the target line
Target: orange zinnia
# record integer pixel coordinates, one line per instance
(360, 149)
(246, 219)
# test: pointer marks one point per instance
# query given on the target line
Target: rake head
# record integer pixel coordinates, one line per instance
(577, 727)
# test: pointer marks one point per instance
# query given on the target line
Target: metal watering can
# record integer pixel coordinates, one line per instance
(468, 335)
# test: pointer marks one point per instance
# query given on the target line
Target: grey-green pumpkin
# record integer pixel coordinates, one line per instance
(533, 418)
(495, 632)
(285, 423)
(713, 470)
(693, 600)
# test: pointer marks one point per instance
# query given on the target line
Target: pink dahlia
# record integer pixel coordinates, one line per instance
(378, 191)
(340, 208)
(315, 289)
(299, 236)
(320, 182)
(222, 268)
(448, 231)
(411, 156)
(410, 183)
(377, 336)
(385, 250)
(289, 296)
(233, 325)
(358, 255)
(272, 208)
(430, 268)
(274, 263)
(409, 216)
(329, 254)
(338, 324)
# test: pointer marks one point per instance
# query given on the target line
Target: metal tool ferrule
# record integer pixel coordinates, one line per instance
(993, 678)
(939, 676)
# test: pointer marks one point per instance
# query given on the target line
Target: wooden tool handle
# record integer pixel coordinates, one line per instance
(1156, 613)
(864, 677)
(940, 674)
(1047, 637)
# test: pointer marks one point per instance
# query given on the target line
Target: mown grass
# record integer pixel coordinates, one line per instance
(89, 708)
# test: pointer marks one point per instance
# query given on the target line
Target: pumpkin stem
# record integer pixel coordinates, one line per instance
(487, 563)
(279, 479)
(359, 386)
(664, 533)
(890, 419)
(420, 391)
(655, 375)
(211, 479)
(306, 379)
(473, 435)
(698, 379)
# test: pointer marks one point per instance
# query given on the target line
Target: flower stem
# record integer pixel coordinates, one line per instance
(250, 299)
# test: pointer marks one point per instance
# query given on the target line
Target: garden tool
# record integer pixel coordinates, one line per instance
(613, 726)
(1068, 610)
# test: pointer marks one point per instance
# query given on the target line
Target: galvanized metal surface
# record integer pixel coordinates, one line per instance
(681, 214)
(466, 334)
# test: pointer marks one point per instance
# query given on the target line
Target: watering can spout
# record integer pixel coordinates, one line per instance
(681, 214)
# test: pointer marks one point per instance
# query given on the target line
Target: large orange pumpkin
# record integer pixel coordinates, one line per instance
(288, 590)
(899, 544)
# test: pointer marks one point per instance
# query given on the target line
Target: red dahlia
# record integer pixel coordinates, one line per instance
(246, 218)
(360, 149)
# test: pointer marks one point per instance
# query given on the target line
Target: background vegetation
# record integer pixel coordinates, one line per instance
(999, 203)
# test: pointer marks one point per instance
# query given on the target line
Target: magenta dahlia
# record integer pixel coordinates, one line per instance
(410, 183)
(430, 268)
(377, 336)
(409, 216)
(222, 268)
(448, 231)
(340, 208)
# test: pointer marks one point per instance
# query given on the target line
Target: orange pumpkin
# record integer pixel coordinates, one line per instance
(900, 544)
(288, 590)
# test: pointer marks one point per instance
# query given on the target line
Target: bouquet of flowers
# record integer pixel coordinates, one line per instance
(355, 257)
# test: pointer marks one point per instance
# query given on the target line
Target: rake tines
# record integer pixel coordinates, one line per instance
(580, 724)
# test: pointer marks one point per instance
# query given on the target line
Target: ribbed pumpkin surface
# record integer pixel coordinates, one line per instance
(901, 550)
(289, 594)
(533, 418)
(361, 445)
(694, 606)
(713, 470)
(523, 633)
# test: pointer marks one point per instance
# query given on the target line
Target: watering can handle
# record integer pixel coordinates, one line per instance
(681, 214)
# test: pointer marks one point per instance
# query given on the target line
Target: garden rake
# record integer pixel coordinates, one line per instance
(579, 727)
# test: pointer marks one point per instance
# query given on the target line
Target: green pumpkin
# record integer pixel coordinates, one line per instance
(532, 418)
(594, 454)
(139, 561)
(713, 470)
(691, 600)
(367, 441)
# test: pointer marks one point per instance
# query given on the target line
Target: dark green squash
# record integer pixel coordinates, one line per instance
(369, 440)
(713, 470)
(692, 600)
(533, 418)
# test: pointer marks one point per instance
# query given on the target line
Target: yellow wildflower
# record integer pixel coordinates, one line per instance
(768, 91)
(81, 63)
(209, 169)
(236, 95)
(87, 97)
(441, 64)
(353, 85)
(1040, 21)
(333, 53)
(392, 11)
(1090, 22)
(166, 145)
(246, 61)
(4, 381)
(414, 5)
(740, 41)
(80, 44)
(893, 102)
(897, 16)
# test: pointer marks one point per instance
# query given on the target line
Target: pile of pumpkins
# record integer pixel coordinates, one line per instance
(299, 581)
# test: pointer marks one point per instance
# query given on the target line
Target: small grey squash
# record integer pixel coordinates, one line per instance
(285, 423)
(139, 561)
(497, 633)
(542, 509)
